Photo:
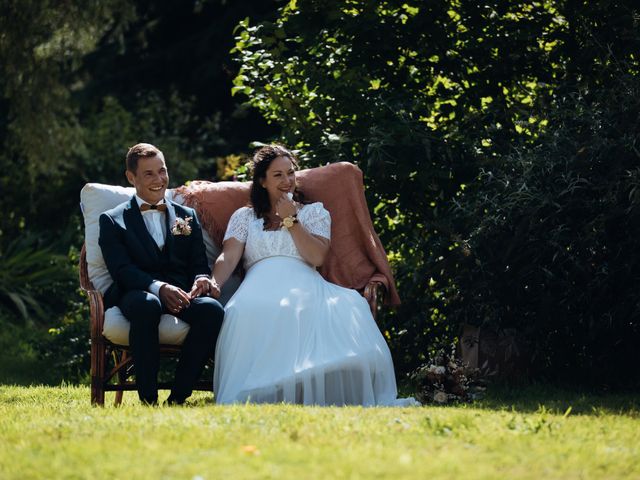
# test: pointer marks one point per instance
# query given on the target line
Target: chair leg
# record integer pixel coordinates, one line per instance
(98, 362)
(122, 377)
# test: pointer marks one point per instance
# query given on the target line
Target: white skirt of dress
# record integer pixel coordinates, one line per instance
(290, 336)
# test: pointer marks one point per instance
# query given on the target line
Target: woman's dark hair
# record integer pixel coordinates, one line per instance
(260, 162)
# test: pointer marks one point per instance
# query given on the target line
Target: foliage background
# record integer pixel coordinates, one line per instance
(499, 143)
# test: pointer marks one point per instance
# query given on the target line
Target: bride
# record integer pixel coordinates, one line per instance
(289, 335)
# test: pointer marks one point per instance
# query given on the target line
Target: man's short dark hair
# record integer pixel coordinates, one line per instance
(141, 150)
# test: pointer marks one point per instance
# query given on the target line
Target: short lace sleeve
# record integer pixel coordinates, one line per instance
(239, 225)
(316, 219)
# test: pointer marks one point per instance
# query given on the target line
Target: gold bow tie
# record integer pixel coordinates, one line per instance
(161, 208)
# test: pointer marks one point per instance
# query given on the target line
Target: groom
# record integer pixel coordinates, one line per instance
(154, 252)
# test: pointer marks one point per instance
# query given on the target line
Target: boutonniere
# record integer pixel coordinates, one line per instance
(182, 226)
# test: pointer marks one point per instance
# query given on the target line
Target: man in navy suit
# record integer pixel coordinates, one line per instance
(154, 252)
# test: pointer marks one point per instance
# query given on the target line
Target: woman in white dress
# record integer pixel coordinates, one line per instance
(289, 335)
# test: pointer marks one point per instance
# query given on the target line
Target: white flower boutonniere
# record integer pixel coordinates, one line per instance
(182, 226)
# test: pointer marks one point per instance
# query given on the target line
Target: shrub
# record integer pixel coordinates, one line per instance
(552, 249)
(425, 95)
(31, 277)
(67, 349)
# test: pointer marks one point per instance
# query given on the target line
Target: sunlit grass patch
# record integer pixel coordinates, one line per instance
(48, 432)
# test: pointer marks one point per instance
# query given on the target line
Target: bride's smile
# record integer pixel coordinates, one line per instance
(280, 179)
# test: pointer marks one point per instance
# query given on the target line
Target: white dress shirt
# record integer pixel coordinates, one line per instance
(154, 220)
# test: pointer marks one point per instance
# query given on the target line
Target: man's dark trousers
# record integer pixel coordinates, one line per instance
(143, 310)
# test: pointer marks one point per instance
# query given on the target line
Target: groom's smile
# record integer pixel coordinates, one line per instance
(151, 179)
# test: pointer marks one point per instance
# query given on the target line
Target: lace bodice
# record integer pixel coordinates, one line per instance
(259, 244)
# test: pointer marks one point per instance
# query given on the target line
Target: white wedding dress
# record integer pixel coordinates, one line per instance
(290, 336)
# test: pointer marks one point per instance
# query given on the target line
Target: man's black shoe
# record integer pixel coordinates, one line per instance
(175, 400)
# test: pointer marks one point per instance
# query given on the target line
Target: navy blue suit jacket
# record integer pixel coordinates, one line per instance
(134, 259)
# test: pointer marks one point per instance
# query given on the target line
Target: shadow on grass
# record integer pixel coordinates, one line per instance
(20, 364)
(557, 400)
(27, 357)
(26, 370)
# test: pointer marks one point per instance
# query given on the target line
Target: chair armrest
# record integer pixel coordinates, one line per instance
(374, 294)
(96, 303)
(97, 314)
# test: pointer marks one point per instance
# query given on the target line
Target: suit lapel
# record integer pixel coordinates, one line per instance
(170, 219)
(133, 220)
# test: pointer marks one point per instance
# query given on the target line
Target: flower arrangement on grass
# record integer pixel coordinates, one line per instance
(446, 379)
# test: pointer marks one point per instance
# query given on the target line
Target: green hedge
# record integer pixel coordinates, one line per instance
(493, 137)
(553, 248)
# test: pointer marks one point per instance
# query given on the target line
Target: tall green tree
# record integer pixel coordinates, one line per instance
(424, 96)
(553, 241)
(42, 45)
(41, 49)
(419, 95)
(81, 82)
(169, 83)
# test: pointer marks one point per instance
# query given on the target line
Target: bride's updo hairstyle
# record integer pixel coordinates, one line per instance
(260, 162)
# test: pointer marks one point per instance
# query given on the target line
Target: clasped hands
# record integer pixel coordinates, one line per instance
(176, 299)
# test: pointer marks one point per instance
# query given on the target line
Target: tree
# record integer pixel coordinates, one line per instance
(553, 243)
(424, 96)
(41, 47)
(418, 95)
(82, 81)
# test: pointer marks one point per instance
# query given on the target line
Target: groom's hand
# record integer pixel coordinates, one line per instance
(174, 298)
(204, 286)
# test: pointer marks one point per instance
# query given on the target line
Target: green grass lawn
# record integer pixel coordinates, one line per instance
(53, 432)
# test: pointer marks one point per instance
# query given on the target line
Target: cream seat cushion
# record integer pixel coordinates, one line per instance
(171, 331)
(96, 198)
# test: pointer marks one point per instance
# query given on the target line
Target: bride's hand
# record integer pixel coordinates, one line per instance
(286, 207)
(204, 286)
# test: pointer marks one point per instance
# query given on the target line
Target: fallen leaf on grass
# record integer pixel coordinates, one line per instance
(250, 450)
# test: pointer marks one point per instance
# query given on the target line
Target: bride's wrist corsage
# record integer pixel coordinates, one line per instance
(290, 221)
